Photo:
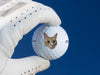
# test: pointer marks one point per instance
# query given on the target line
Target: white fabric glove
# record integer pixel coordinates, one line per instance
(17, 18)
(25, 66)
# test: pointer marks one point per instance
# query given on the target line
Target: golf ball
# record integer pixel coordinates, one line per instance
(50, 42)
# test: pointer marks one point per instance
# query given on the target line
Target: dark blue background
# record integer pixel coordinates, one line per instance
(81, 19)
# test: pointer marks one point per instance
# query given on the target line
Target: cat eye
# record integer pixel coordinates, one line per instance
(54, 41)
(48, 41)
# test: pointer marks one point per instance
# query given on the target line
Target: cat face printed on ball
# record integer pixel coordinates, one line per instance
(50, 42)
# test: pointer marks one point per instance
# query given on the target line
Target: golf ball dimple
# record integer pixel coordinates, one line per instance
(50, 42)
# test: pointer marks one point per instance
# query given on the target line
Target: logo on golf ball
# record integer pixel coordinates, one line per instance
(50, 42)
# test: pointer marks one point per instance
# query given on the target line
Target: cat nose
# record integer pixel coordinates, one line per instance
(52, 44)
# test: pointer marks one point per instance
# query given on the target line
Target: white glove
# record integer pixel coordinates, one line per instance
(25, 66)
(17, 18)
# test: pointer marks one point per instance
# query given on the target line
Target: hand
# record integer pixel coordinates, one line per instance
(25, 66)
(15, 22)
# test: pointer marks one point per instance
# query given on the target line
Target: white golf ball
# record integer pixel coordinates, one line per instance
(50, 42)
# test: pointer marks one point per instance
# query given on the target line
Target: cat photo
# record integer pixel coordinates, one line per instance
(50, 42)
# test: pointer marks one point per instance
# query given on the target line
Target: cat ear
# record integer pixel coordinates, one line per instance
(45, 35)
(55, 35)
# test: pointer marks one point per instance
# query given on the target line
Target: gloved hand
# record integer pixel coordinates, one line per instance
(17, 18)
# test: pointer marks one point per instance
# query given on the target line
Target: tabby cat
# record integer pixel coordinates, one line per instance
(50, 42)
